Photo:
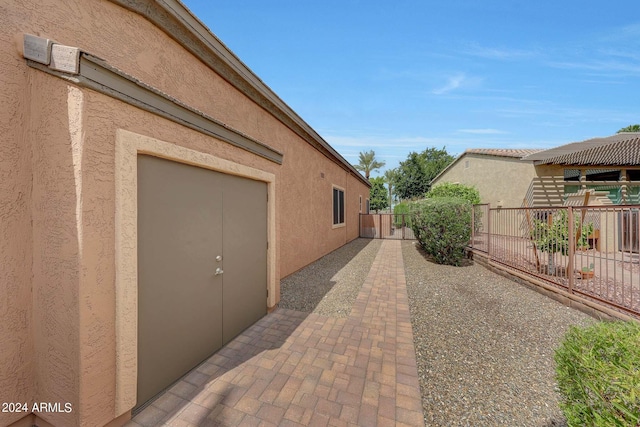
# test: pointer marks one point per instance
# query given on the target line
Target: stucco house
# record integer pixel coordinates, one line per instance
(609, 166)
(144, 170)
(499, 175)
(606, 168)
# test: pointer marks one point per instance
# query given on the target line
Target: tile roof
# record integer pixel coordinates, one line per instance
(501, 152)
(622, 149)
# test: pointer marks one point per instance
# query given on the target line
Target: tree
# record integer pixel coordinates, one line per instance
(412, 181)
(414, 175)
(367, 162)
(390, 176)
(631, 128)
(378, 194)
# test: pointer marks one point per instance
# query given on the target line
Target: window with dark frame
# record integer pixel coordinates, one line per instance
(338, 206)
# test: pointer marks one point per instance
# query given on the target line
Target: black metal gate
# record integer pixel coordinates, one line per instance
(386, 226)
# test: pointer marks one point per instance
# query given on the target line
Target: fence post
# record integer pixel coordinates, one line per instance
(489, 230)
(380, 222)
(473, 223)
(572, 247)
(403, 226)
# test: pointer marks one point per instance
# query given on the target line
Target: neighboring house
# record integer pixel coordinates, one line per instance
(144, 170)
(609, 166)
(498, 174)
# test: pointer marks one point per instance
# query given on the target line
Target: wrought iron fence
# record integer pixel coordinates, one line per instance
(386, 226)
(591, 251)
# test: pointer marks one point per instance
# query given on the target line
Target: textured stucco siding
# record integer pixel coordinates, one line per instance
(58, 201)
(107, 30)
(496, 178)
(355, 191)
(547, 188)
(16, 328)
(57, 240)
(303, 222)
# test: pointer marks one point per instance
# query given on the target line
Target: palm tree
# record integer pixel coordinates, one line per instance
(367, 162)
(390, 176)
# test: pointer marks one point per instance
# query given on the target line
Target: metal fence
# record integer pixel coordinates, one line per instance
(591, 251)
(386, 226)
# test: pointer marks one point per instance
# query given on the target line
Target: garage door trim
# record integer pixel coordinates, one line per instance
(128, 146)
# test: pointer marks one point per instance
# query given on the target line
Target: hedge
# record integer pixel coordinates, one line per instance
(443, 227)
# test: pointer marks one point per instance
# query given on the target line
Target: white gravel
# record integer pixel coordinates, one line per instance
(484, 345)
(330, 285)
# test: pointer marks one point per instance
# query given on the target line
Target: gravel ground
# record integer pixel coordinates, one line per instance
(330, 285)
(484, 345)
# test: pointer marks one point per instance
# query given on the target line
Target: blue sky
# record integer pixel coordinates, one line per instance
(402, 76)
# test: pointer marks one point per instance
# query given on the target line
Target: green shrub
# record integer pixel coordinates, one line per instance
(443, 227)
(598, 374)
(554, 237)
(398, 210)
(460, 191)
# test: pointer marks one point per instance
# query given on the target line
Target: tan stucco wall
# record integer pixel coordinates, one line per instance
(496, 178)
(550, 170)
(58, 202)
(16, 248)
(548, 186)
(58, 239)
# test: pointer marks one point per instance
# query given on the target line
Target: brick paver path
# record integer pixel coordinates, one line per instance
(299, 369)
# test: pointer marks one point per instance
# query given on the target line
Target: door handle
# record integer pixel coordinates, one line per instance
(219, 271)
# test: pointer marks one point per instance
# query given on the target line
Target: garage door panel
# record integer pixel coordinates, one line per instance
(245, 249)
(187, 217)
(179, 297)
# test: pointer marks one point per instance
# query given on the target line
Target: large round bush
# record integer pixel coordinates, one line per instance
(442, 225)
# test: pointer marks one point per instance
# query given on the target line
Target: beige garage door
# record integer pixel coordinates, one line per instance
(202, 266)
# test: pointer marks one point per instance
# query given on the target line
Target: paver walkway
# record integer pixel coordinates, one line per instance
(300, 369)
